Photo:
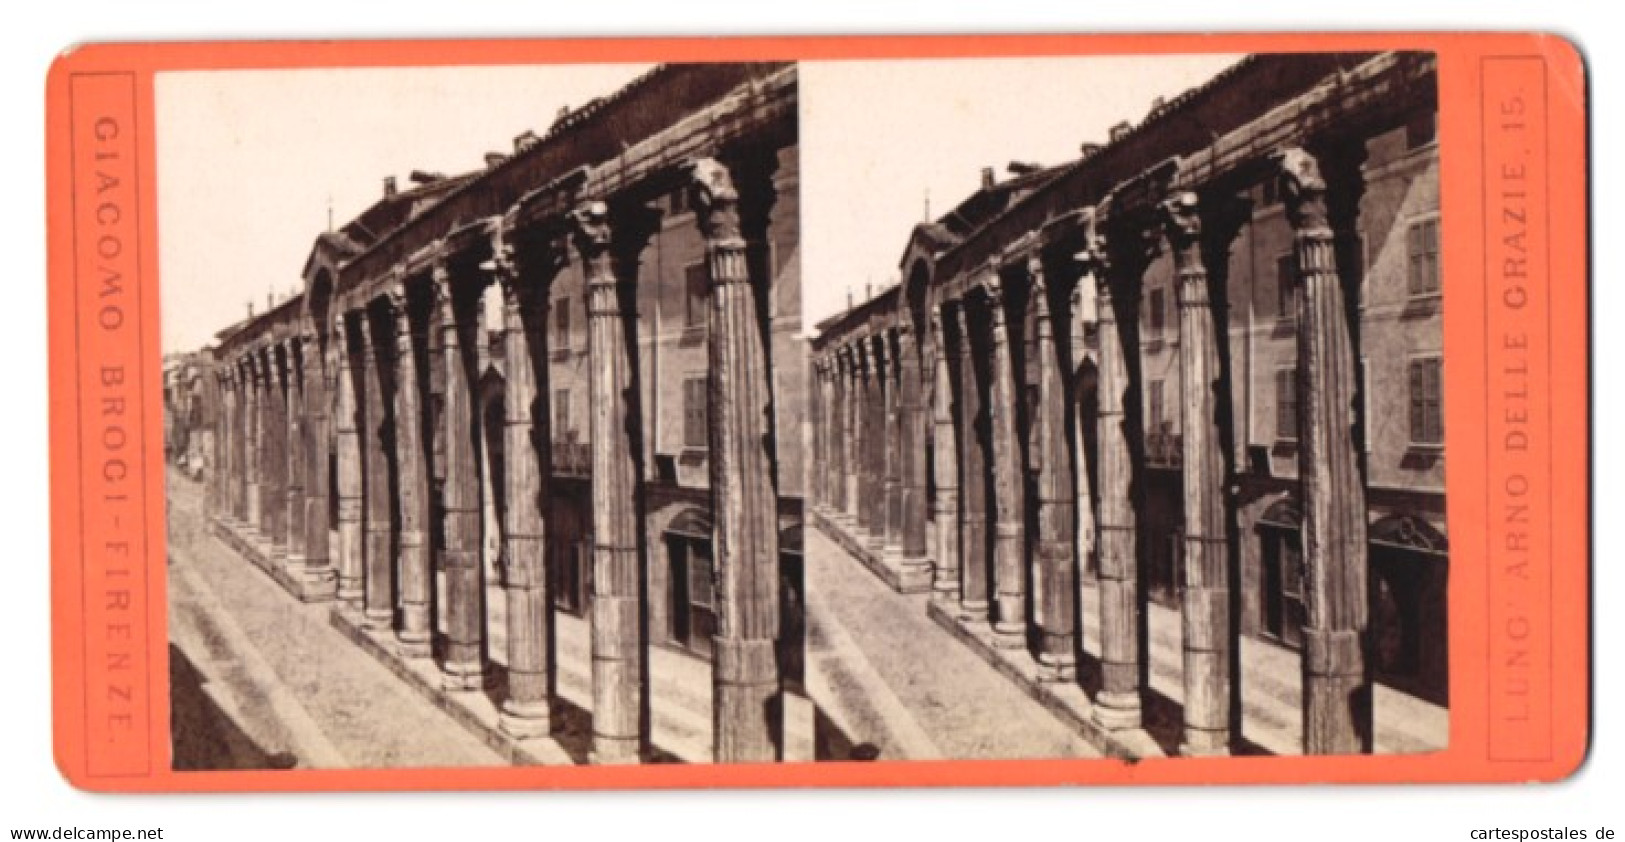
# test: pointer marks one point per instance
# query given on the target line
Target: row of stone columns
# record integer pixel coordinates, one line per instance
(390, 511)
(267, 482)
(980, 466)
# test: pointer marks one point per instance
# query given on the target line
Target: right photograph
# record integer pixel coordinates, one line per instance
(1125, 406)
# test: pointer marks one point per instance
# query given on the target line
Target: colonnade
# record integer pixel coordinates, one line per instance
(1003, 417)
(393, 363)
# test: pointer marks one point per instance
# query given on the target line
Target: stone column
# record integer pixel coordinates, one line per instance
(1055, 571)
(527, 710)
(866, 501)
(748, 719)
(1117, 705)
(464, 665)
(913, 430)
(892, 409)
(412, 480)
(225, 467)
(253, 387)
(1337, 687)
(617, 640)
(294, 464)
(1010, 542)
(1205, 599)
(319, 575)
(350, 480)
(273, 496)
(945, 465)
(839, 418)
(853, 420)
(975, 551)
(378, 564)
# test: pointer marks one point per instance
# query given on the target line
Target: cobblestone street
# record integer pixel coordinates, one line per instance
(261, 680)
(890, 676)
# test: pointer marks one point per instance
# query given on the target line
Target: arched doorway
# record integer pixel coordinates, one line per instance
(1410, 606)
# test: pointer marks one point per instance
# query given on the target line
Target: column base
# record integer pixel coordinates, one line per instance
(376, 618)
(459, 677)
(411, 644)
(972, 611)
(1117, 711)
(1197, 743)
(525, 720)
(350, 593)
(1009, 635)
(614, 751)
(1056, 667)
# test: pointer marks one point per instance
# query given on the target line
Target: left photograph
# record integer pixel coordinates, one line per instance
(485, 416)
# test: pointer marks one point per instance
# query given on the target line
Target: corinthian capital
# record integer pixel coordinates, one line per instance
(591, 229)
(717, 202)
(1305, 189)
(1181, 219)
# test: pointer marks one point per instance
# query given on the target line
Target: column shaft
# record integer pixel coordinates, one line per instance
(1337, 687)
(892, 484)
(617, 641)
(913, 429)
(1055, 569)
(975, 550)
(347, 440)
(319, 571)
(527, 710)
(1205, 600)
(1117, 705)
(748, 719)
(464, 664)
(294, 458)
(254, 392)
(1010, 543)
(945, 466)
(412, 495)
(378, 564)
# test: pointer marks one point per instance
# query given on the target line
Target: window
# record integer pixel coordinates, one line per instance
(1427, 401)
(561, 325)
(1156, 308)
(695, 295)
(1271, 192)
(1422, 249)
(1286, 404)
(562, 430)
(678, 201)
(1286, 286)
(696, 423)
(1155, 411)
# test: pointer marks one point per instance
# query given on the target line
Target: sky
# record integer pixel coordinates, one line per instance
(877, 138)
(250, 161)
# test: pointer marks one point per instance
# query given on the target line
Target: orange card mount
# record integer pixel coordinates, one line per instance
(691, 413)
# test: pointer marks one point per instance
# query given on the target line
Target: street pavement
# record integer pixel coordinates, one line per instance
(889, 676)
(260, 680)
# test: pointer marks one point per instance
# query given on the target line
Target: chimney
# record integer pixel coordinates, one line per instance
(848, 298)
(494, 159)
(1089, 150)
(1121, 130)
(524, 141)
(389, 187)
(251, 310)
(1157, 104)
(1020, 168)
(270, 301)
(987, 178)
(426, 177)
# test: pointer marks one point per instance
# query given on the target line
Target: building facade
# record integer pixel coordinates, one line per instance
(1197, 369)
(569, 383)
